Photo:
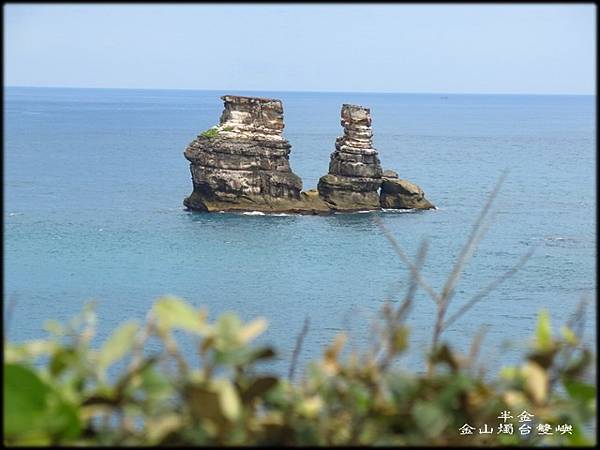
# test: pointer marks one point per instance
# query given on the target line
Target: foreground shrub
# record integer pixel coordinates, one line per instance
(58, 390)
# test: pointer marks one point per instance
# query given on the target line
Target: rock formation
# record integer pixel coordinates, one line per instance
(354, 170)
(401, 194)
(242, 164)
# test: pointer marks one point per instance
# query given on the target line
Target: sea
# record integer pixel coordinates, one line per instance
(94, 181)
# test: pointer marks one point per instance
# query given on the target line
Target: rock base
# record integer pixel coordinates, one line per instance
(397, 193)
(354, 169)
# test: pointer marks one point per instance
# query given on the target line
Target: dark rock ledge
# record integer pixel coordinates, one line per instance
(242, 164)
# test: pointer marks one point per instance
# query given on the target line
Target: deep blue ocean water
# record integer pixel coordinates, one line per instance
(94, 181)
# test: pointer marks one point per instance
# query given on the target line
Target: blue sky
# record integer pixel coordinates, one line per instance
(452, 48)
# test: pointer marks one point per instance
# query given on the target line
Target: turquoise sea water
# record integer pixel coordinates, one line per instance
(94, 181)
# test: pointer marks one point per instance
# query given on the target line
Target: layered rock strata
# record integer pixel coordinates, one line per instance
(243, 163)
(354, 169)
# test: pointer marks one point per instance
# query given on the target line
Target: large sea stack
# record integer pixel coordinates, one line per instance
(354, 170)
(243, 163)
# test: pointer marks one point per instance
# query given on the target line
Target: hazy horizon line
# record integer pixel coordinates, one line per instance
(297, 90)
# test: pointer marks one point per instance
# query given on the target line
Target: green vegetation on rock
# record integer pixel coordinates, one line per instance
(210, 133)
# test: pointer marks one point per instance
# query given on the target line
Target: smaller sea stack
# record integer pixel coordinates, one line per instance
(354, 170)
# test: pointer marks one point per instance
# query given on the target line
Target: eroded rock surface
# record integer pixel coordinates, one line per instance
(397, 193)
(354, 170)
(243, 163)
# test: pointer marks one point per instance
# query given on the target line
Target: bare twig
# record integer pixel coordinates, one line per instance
(395, 318)
(477, 232)
(118, 397)
(173, 350)
(476, 345)
(298, 347)
(137, 352)
(412, 287)
(375, 342)
(490, 287)
(347, 325)
(413, 269)
(577, 321)
(10, 309)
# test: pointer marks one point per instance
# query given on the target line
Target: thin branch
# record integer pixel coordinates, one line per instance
(393, 290)
(490, 287)
(10, 308)
(172, 349)
(476, 344)
(475, 237)
(395, 318)
(347, 326)
(414, 271)
(577, 321)
(140, 339)
(410, 293)
(375, 342)
(297, 347)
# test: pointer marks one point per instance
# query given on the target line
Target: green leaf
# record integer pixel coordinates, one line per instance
(443, 354)
(228, 328)
(569, 335)
(118, 344)
(63, 419)
(241, 356)
(54, 327)
(262, 353)
(162, 426)
(430, 419)
(360, 396)
(173, 312)
(63, 358)
(399, 339)
(310, 406)
(155, 383)
(27, 350)
(229, 400)
(253, 329)
(203, 402)
(544, 331)
(25, 400)
(579, 364)
(579, 390)
(536, 381)
(259, 387)
(578, 439)
(509, 372)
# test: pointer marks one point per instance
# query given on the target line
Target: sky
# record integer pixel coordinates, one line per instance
(408, 48)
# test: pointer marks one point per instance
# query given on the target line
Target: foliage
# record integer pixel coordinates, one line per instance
(58, 391)
(210, 133)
